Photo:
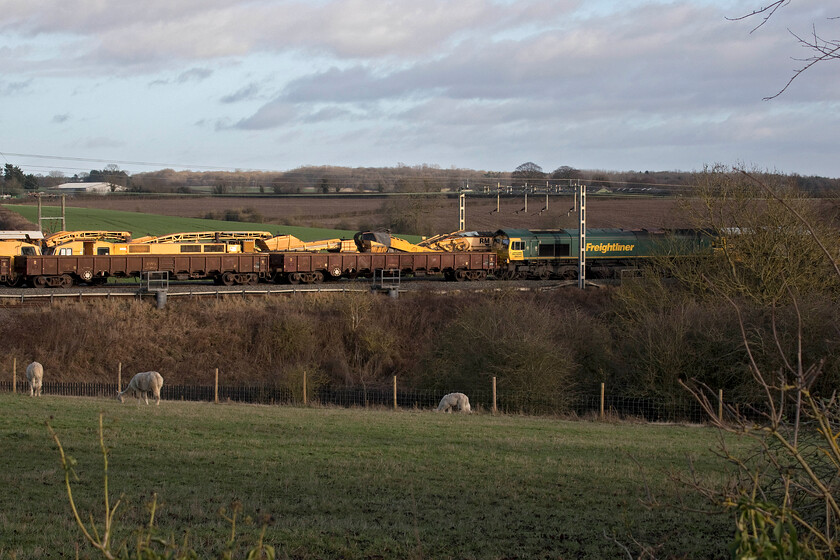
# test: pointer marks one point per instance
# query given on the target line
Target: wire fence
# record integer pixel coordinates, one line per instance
(684, 409)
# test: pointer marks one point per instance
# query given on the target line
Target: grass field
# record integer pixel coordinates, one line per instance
(140, 224)
(347, 483)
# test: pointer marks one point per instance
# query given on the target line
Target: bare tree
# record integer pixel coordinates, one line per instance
(821, 49)
(785, 491)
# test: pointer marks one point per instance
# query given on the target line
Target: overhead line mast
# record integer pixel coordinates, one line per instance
(582, 237)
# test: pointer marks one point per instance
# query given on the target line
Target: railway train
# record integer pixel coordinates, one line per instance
(245, 258)
(554, 253)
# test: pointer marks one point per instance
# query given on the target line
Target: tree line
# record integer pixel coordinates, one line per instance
(397, 179)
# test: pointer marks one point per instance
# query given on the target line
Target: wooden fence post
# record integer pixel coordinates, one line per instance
(494, 396)
(395, 392)
(216, 388)
(720, 405)
(304, 387)
(14, 375)
(119, 377)
(602, 401)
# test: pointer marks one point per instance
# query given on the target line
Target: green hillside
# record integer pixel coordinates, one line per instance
(140, 224)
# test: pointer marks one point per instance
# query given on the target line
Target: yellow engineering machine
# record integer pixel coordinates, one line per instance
(292, 243)
(13, 243)
(458, 241)
(120, 243)
(84, 242)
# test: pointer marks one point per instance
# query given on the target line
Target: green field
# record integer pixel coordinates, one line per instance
(350, 483)
(140, 224)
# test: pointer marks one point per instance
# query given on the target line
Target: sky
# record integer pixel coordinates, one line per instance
(481, 84)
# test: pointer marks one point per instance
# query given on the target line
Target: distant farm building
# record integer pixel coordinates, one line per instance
(80, 188)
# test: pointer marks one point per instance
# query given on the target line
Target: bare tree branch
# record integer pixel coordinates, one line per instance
(768, 10)
(823, 49)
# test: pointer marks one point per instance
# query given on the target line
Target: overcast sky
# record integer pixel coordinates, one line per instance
(482, 84)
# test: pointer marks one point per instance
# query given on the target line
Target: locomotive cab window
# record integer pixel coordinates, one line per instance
(27, 250)
(517, 246)
(65, 251)
(103, 251)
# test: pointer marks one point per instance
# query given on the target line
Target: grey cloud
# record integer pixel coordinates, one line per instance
(58, 119)
(248, 92)
(122, 32)
(350, 85)
(327, 115)
(15, 88)
(271, 115)
(194, 75)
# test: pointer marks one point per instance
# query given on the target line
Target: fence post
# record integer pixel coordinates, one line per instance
(602, 401)
(14, 375)
(395, 392)
(216, 388)
(720, 405)
(119, 377)
(304, 387)
(494, 395)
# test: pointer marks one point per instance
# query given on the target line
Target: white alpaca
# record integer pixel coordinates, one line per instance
(142, 384)
(457, 401)
(35, 376)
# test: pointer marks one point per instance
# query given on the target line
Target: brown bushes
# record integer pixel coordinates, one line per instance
(560, 342)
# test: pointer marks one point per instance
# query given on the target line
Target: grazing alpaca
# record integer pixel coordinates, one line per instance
(458, 401)
(35, 376)
(142, 384)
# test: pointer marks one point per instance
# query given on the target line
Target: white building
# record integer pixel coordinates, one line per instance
(88, 188)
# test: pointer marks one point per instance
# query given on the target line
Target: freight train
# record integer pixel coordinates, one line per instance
(231, 258)
(554, 253)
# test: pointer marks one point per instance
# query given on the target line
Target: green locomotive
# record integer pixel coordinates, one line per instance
(547, 253)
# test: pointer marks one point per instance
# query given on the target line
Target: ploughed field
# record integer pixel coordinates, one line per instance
(351, 483)
(438, 213)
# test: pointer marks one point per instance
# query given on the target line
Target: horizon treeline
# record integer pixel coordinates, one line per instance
(398, 179)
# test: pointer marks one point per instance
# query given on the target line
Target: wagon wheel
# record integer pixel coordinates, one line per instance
(317, 277)
(294, 278)
(39, 282)
(65, 281)
(544, 273)
(86, 275)
(335, 272)
(460, 275)
(228, 279)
